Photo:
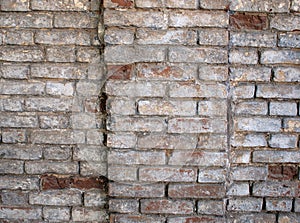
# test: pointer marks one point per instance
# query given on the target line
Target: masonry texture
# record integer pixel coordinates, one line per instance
(150, 111)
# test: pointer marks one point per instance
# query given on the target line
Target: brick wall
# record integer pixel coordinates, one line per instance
(190, 109)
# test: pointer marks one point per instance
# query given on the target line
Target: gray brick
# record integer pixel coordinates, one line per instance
(189, 4)
(121, 140)
(274, 189)
(61, 54)
(23, 37)
(211, 207)
(63, 37)
(149, 4)
(14, 136)
(11, 104)
(80, 213)
(214, 37)
(26, 20)
(57, 137)
(283, 108)
(291, 124)
(212, 108)
(212, 141)
(253, 173)
(121, 106)
(297, 205)
(14, 198)
(257, 124)
(84, 121)
(19, 182)
(241, 56)
(29, 213)
(250, 74)
(94, 199)
(54, 122)
(41, 167)
(254, 39)
(285, 22)
(88, 55)
(287, 74)
(211, 175)
(245, 204)
(56, 198)
(251, 108)
(75, 20)
(22, 152)
(93, 169)
(289, 217)
(295, 5)
(22, 88)
(280, 57)
(15, 5)
(122, 173)
(48, 104)
(197, 55)
(238, 189)
(88, 88)
(278, 91)
(14, 71)
(18, 121)
(53, 5)
(243, 91)
(213, 73)
(89, 153)
(25, 54)
(57, 152)
(248, 140)
(289, 40)
(257, 217)
(241, 156)
(119, 36)
(56, 213)
(217, 4)
(283, 141)
(123, 206)
(132, 54)
(11, 167)
(198, 19)
(55, 88)
(261, 6)
(269, 156)
(279, 204)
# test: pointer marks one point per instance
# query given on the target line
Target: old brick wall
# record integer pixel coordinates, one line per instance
(190, 109)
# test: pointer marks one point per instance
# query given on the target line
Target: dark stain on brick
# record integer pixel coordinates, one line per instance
(123, 3)
(119, 72)
(52, 182)
(248, 21)
(282, 172)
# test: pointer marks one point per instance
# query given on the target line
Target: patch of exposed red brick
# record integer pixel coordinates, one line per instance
(119, 72)
(123, 3)
(52, 182)
(248, 21)
(282, 172)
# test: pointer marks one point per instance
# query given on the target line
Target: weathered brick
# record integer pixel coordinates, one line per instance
(248, 140)
(14, 136)
(87, 54)
(268, 156)
(211, 141)
(160, 71)
(63, 37)
(136, 124)
(163, 206)
(254, 39)
(23, 37)
(14, 71)
(57, 152)
(257, 217)
(19, 182)
(60, 54)
(11, 104)
(94, 199)
(21, 152)
(136, 190)
(84, 121)
(18, 121)
(48, 104)
(29, 213)
(182, 37)
(133, 54)
(121, 106)
(57, 137)
(243, 91)
(213, 73)
(278, 91)
(94, 137)
(278, 204)
(217, 37)
(238, 189)
(291, 125)
(196, 191)
(56, 213)
(54, 88)
(119, 36)
(169, 174)
(89, 153)
(259, 6)
(274, 189)
(241, 156)
(136, 157)
(93, 168)
(22, 88)
(253, 173)
(289, 40)
(169, 108)
(15, 5)
(52, 5)
(280, 57)
(287, 74)
(197, 55)
(295, 5)
(166, 141)
(153, 19)
(79, 213)
(250, 74)
(198, 19)
(14, 198)
(189, 4)
(120, 72)
(56, 198)
(196, 125)
(121, 140)
(279, 172)
(283, 141)
(211, 207)
(25, 54)
(149, 3)
(123, 206)
(211, 175)
(297, 205)
(285, 22)
(244, 21)
(36, 167)
(199, 158)
(11, 167)
(212, 108)
(26, 20)
(54, 122)
(217, 4)
(75, 20)
(136, 218)
(122, 173)
(198, 90)
(257, 124)
(57, 71)
(251, 108)
(245, 204)
(289, 217)
(241, 56)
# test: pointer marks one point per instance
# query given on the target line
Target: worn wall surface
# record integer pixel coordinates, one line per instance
(156, 111)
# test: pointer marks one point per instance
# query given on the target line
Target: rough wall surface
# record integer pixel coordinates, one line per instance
(189, 108)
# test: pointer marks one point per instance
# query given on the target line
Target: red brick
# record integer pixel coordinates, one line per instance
(123, 3)
(196, 190)
(51, 182)
(248, 21)
(282, 172)
(119, 72)
(166, 206)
